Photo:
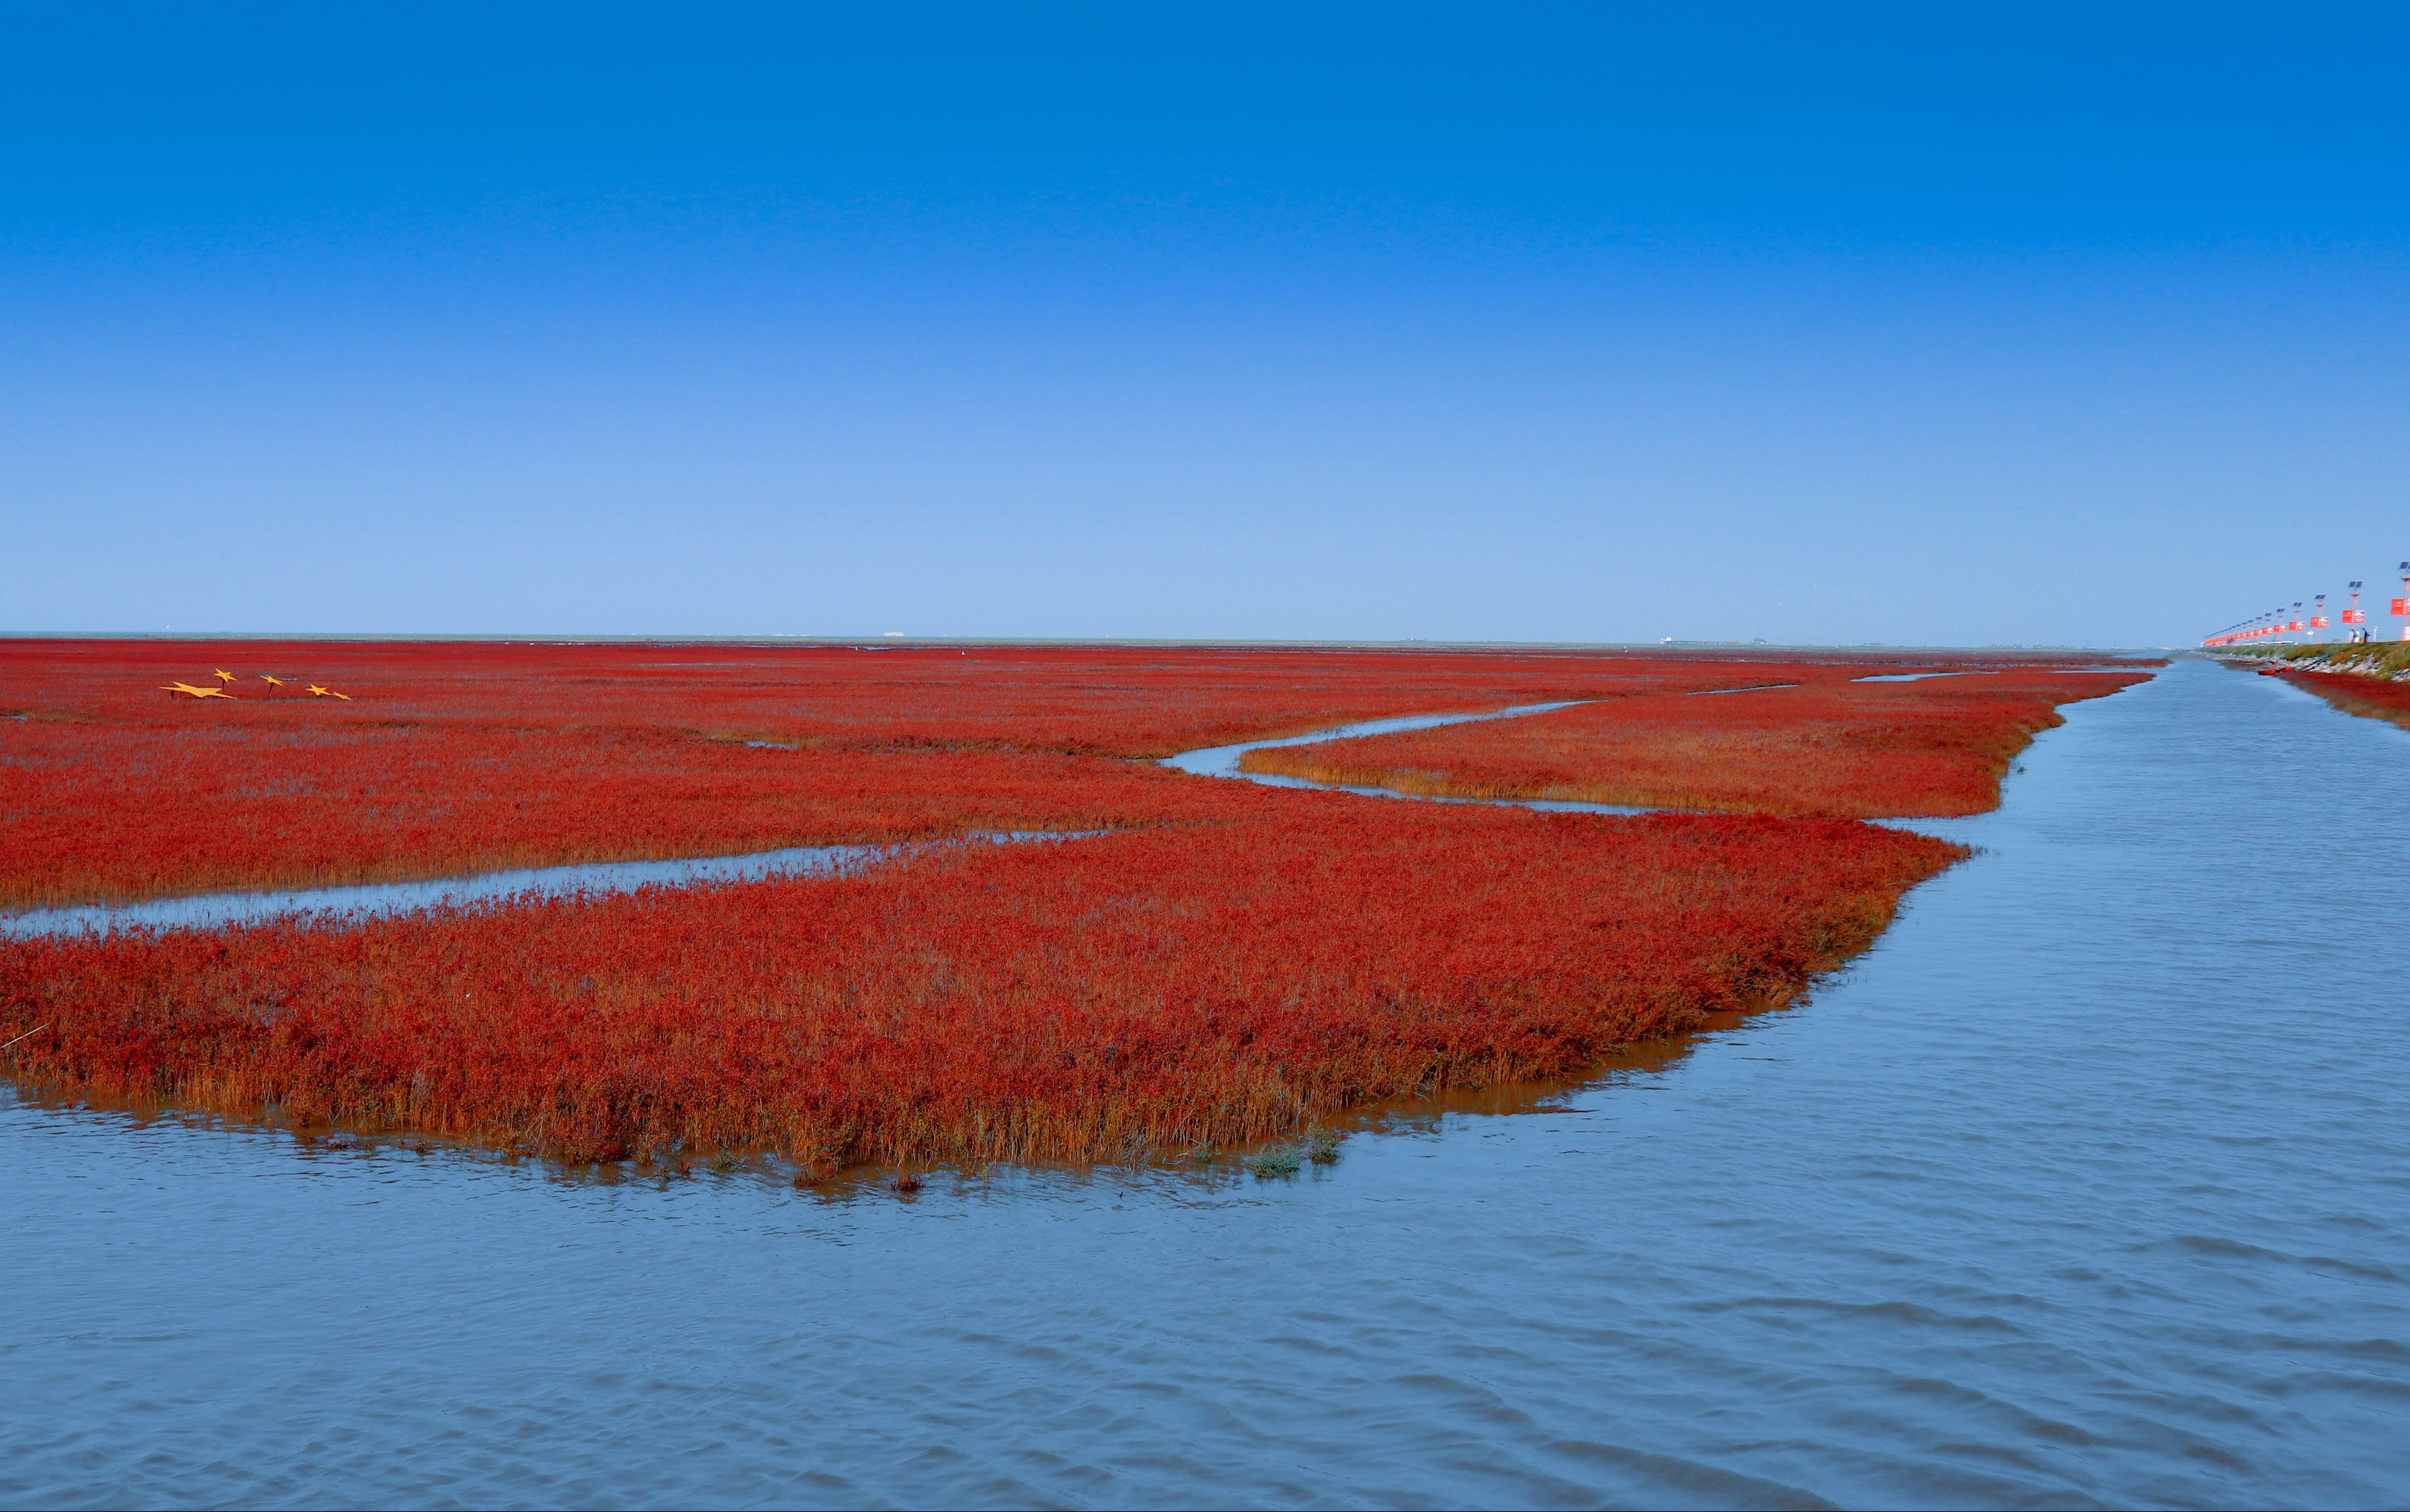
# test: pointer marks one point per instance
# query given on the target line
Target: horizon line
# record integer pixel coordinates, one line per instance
(888, 639)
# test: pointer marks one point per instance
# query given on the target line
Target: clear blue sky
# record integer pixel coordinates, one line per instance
(1928, 324)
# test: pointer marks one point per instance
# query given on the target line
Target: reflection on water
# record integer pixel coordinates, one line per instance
(2087, 1186)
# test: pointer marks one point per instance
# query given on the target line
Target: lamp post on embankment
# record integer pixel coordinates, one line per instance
(2306, 623)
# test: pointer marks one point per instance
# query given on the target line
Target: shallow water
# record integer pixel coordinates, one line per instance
(213, 910)
(1223, 761)
(2088, 1184)
(216, 910)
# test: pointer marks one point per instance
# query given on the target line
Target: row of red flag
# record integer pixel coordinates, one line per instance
(2282, 622)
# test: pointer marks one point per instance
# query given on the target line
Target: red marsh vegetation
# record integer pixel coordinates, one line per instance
(2371, 698)
(1102, 699)
(451, 759)
(1076, 999)
(1228, 962)
(1937, 745)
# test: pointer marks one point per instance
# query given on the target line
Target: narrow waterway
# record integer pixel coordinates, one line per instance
(2089, 1185)
(1223, 761)
(214, 910)
(355, 901)
(371, 900)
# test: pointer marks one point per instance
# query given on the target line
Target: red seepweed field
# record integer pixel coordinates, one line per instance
(1229, 962)
(456, 759)
(1937, 745)
(2371, 698)
(1064, 1001)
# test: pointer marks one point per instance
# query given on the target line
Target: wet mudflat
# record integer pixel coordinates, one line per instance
(2089, 1183)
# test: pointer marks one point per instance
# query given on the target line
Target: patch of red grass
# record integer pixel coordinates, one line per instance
(1058, 1000)
(460, 758)
(1934, 746)
(149, 813)
(2371, 698)
(1101, 700)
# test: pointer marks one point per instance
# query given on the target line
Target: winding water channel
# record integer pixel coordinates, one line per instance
(1223, 761)
(213, 910)
(2089, 1185)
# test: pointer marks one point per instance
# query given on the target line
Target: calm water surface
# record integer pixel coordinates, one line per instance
(372, 900)
(2089, 1185)
(211, 910)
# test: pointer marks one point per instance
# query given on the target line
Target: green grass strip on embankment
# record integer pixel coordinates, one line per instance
(2374, 659)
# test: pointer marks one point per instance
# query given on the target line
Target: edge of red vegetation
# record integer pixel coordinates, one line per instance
(1055, 1001)
(2367, 696)
(1934, 749)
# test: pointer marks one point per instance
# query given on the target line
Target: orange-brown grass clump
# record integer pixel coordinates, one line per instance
(1060, 1000)
(1865, 749)
(455, 759)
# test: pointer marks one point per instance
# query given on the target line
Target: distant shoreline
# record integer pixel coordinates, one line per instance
(886, 642)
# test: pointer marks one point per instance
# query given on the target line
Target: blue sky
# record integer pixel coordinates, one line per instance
(1911, 324)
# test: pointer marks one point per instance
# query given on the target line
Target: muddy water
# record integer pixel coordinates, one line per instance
(2090, 1184)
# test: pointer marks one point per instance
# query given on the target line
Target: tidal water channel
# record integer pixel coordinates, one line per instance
(2088, 1184)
